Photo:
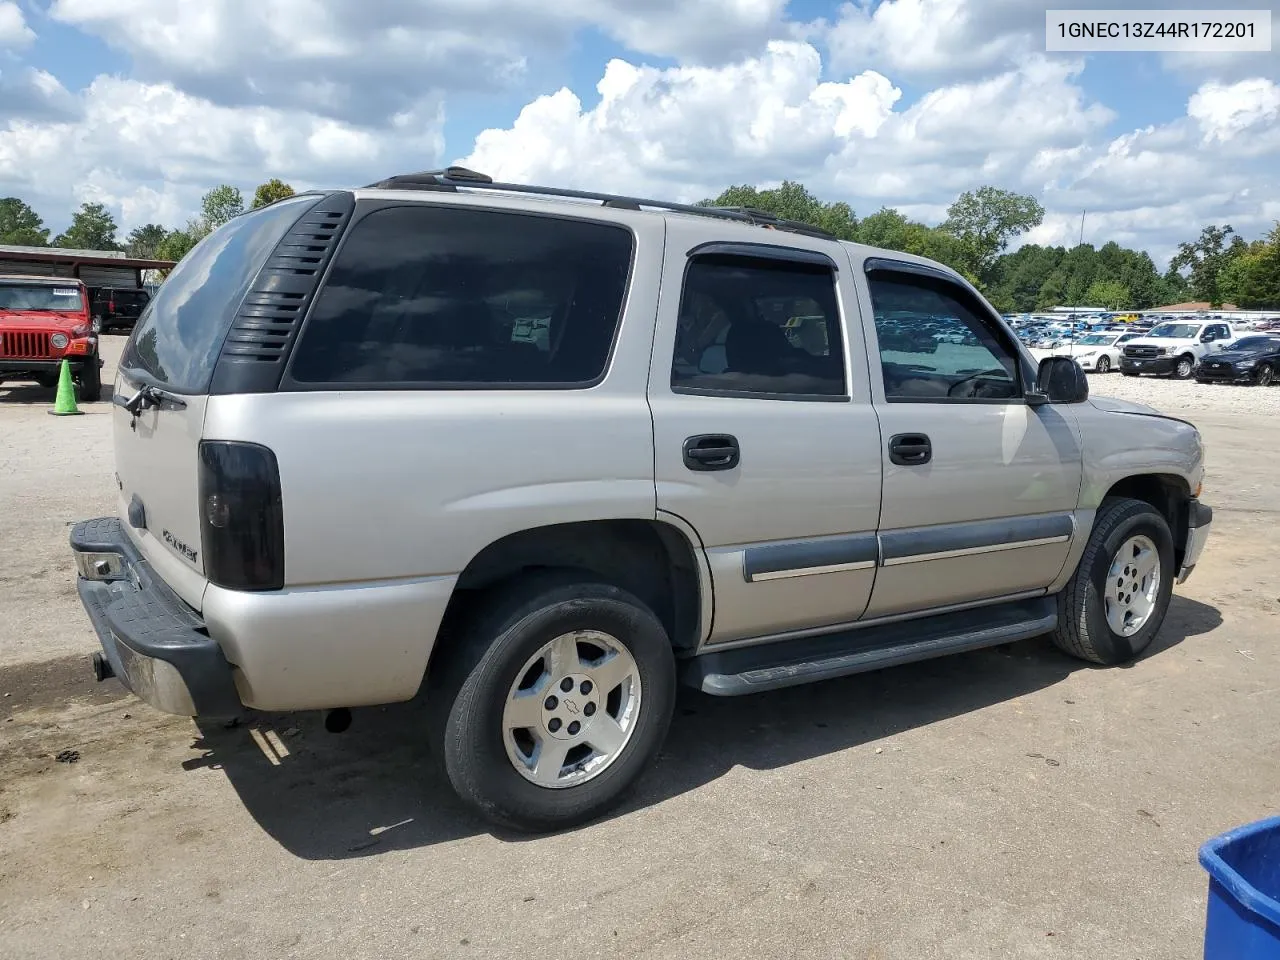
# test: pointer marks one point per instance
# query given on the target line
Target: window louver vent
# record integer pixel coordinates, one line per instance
(254, 354)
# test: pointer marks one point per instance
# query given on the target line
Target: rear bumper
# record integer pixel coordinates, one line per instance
(155, 644)
(1199, 520)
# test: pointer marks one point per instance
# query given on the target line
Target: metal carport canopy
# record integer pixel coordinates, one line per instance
(97, 268)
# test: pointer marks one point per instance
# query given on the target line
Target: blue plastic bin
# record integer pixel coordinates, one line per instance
(1243, 919)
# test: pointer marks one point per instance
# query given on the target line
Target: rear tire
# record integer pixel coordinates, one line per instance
(1112, 587)
(506, 665)
(91, 381)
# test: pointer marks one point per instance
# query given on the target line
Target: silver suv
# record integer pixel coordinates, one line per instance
(544, 454)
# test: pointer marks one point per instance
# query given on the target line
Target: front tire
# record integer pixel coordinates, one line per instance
(1183, 367)
(1119, 595)
(1264, 376)
(1103, 365)
(553, 701)
(91, 381)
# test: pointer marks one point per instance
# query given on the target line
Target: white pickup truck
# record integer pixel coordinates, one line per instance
(1174, 348)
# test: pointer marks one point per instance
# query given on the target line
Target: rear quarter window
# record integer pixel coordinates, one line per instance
(178, 337)
(454, 297)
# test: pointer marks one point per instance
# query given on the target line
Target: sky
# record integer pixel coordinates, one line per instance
(143, 105)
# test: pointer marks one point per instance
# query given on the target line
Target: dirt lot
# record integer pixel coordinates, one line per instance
(1004, 803)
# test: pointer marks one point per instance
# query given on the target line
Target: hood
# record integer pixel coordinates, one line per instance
(1235, 356)
(1113, 405)
(66, 320)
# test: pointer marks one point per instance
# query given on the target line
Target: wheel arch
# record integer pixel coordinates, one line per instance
(657, 560)
(1169, 493)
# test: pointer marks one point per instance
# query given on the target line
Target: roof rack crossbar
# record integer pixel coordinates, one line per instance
(454, 177)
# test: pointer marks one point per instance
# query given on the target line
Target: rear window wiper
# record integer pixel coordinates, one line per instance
(148, 396)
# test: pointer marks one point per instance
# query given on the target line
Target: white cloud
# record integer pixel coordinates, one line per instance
(150, 151)
(14, 32)
(1224, 112)
(367, 60)
(936, 37)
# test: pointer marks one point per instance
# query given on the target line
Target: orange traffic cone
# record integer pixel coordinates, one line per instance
(65, 404)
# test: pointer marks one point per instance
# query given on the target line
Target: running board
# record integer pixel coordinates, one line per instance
(787, 663)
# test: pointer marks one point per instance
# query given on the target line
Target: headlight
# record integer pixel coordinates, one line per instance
(1086, 356)
(1246, 364)
(1161, 351)
(59, 341)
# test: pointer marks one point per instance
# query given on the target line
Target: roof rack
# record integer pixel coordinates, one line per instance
(451, 178)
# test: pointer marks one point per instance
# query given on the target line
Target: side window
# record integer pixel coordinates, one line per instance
(761, 328)
(445, 297)
(1220, 332)
(937, 344)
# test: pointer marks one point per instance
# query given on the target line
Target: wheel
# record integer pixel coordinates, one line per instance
(90, 380)
(1264, 375)
(553, 701)
(1182, 367)
(1103, 365)
(1119, 595)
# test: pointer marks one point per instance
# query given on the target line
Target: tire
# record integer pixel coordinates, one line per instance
(1183, 367)
(488, 655)
(1083, 630)
(1103, 365)
(1264, 375)
(90, 381)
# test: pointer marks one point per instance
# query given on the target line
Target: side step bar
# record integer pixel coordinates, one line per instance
(787, 663)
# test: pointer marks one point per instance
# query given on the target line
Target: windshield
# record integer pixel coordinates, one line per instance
(1255, 343)
(1175, 331)
(39, 296)
(1096, 340)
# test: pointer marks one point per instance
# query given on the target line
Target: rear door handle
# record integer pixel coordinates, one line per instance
(712, 451)
(910, 449)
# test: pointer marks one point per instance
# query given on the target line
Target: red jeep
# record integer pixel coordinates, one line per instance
(43, 320)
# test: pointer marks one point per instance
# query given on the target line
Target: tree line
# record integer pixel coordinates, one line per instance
(94, 228)
(1218, 267)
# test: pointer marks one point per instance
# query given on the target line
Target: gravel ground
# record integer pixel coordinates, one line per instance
(1182, 396)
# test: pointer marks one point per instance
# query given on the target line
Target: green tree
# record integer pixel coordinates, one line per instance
(1173, 288)
(1111, 294)
(178, 243)
(986, 219)
(1252, 280)
(1204, 260)
(791, 201)
(20, 225)
(92, 228)
(220, 205)
(271, 191)
(143, 242)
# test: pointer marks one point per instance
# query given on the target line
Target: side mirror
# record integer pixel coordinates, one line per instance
(1207, 338)
(1059, 380)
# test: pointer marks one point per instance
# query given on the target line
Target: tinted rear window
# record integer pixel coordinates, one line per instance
(179, 335)
(450, 296)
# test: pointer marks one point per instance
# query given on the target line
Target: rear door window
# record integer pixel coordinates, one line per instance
(178, 337)
(455, 297)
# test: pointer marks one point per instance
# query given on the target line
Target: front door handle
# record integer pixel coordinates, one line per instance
(712, 451)
(910, 449)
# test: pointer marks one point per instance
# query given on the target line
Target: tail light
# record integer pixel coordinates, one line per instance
(241, 516)
(111, 305)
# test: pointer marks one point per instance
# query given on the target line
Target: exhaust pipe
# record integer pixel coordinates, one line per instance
(102, 669)
(337, 720)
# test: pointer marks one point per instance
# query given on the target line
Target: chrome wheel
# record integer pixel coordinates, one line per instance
(572, 709)
(1265, 376)
(1133, 583)
(1183, 370)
